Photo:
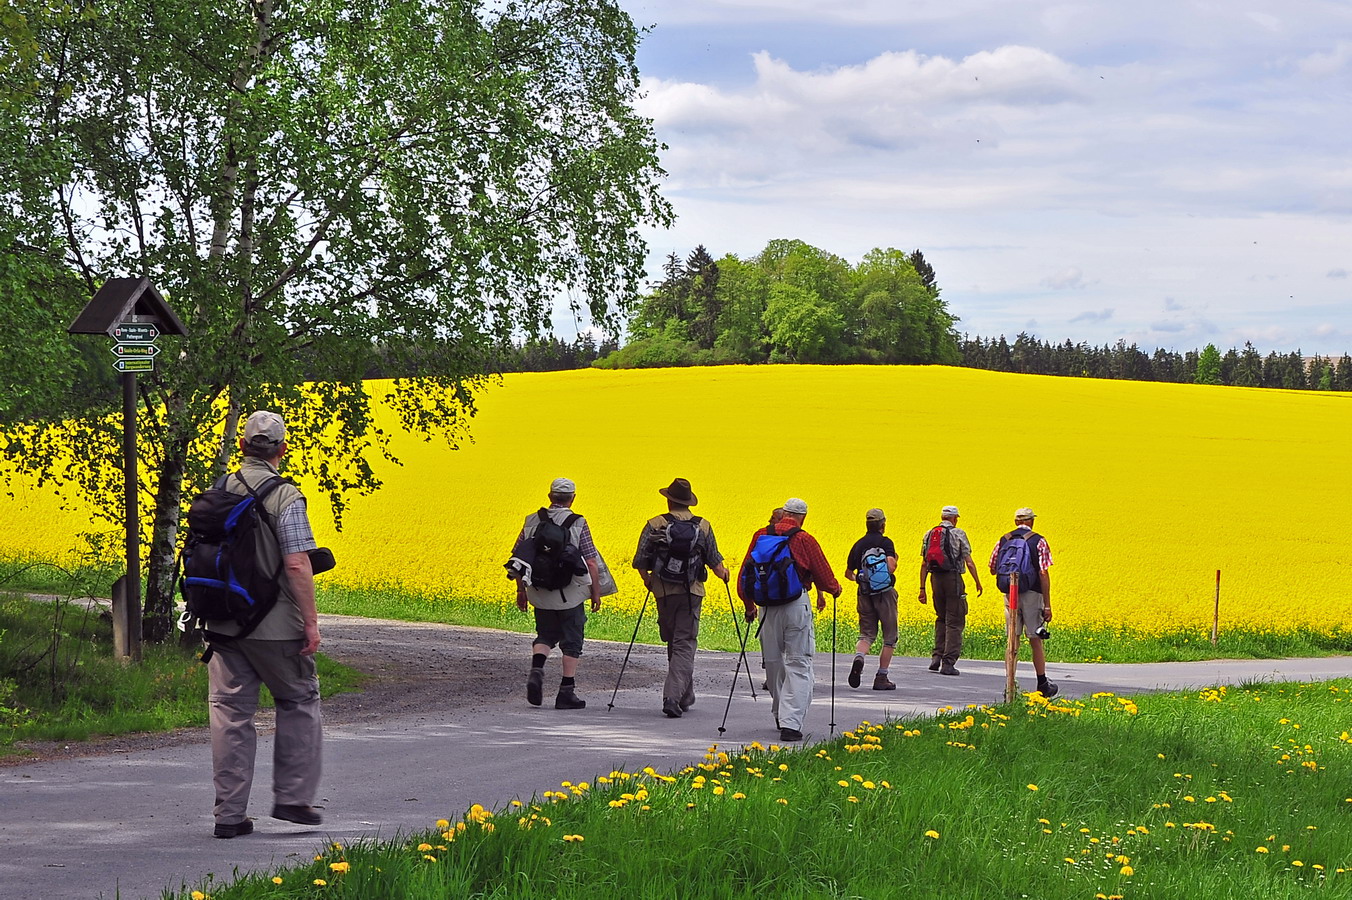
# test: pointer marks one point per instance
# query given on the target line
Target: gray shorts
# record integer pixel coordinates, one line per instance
(1029, 617)
(561, 627)
(875, 610)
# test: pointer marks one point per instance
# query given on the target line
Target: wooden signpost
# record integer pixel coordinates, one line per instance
(133, 314)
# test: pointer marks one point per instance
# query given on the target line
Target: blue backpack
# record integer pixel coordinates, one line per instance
(873, 575)
(1018, 553)
(770, 576)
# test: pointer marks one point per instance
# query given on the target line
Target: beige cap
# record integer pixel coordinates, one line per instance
(562, 486)
(264, 429)
(949, 511)
(875, 515)
(1024, 512)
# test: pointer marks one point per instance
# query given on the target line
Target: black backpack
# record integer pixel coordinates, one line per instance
(678, 556)
(223, 579)
(557, 560)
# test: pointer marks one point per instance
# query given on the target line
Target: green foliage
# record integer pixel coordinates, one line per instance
(1209, 366)
(791, 303)
(1219, 793)
(318, 190)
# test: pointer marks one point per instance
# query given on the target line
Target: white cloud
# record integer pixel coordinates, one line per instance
(1327, 63)
(1102, 315)
(1067, 279)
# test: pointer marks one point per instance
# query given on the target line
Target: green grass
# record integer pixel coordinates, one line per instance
(1079, 644)
(1166, 796)
(60, 682)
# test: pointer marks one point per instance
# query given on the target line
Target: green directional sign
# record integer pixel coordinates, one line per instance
(135, 333)
(129, 351)
(142, 364)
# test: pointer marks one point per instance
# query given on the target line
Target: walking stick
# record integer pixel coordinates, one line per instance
(1011, 638)
(642, 610)
(833, 663)
(741, 639)
(732, 688)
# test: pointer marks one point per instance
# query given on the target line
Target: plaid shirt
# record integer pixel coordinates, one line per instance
(293, 530)
(1044, 552)
(806, 552)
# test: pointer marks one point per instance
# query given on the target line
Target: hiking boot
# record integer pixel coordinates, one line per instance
(882, 683)
(935, 663)
(855, 669)
(1047, 688)
(948, 669)
(535, 686)
(234, 829)
(687, 703)
(301, 815)
(568, 699)
(671, 709)
(788, 735)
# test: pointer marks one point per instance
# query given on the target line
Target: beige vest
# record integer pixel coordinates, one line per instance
(576, 591)
(284, 622)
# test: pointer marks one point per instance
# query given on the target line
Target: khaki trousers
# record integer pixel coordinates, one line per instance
(678, 624)
(788, 637)
(236, 670)
(949, 597)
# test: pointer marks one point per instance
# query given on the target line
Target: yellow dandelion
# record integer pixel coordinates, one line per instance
(932, 834)
(1127, 871)
(276, 879)
(1260, 849)
(1032, 787)
(423, 848)
(340, 867)
(319, 882)
(442, 824)
(739, 796)
(782, 802)
(1297, 863)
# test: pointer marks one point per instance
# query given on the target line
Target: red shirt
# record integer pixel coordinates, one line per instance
(808, 555)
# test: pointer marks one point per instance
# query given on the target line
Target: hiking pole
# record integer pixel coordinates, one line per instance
(741, 639)
(833, 662)
(732, 688)
(642, 609)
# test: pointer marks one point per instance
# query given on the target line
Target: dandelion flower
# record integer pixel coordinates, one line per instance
(782, 802)
(1297, 863)
(442, 824)
(1032, 787)
(340, 867)
(932, 834)
(1128, 871)
(276, 879)
(319, 882)
(423, 848)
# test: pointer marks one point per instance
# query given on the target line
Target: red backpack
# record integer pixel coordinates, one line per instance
(939, 553)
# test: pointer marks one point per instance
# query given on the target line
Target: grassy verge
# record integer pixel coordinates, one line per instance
(59, 681)
(1078, 644)
(1214, 794)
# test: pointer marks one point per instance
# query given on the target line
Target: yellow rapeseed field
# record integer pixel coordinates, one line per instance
(1143, 490)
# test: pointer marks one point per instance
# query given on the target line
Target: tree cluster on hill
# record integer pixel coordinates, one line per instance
(791, 303)
(1240, 367)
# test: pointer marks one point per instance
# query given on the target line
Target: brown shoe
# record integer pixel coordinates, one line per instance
(881, 683)
(935, 663)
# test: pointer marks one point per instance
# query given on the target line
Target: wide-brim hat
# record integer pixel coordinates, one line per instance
(679, 492)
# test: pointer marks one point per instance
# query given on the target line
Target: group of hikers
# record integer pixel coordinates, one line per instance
(557, 570)
(250, 557)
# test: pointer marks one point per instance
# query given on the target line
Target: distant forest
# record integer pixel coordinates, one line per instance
(796, 303)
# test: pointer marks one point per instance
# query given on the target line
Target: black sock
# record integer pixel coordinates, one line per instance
(538, 660)
(567, 682)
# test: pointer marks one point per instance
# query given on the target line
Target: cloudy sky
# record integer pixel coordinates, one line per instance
(1171, 172)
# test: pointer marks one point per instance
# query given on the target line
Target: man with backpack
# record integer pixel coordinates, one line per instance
(555, 565)
(871, 564)
(779, 569)
(675, 550)
(277, 651)
(1025, 553)
(944, 553)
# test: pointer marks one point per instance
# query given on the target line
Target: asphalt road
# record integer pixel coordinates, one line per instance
(140, 821)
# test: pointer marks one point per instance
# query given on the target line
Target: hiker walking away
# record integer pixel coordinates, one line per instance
(779, 569)
(556, 572)
(278, 652)
(944, 553)
(675, 552)
(1027, 552)
(871, 564)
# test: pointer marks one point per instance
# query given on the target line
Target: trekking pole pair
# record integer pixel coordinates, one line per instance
(741, 659)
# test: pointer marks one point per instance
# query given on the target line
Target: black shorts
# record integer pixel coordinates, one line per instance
(561, 627)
